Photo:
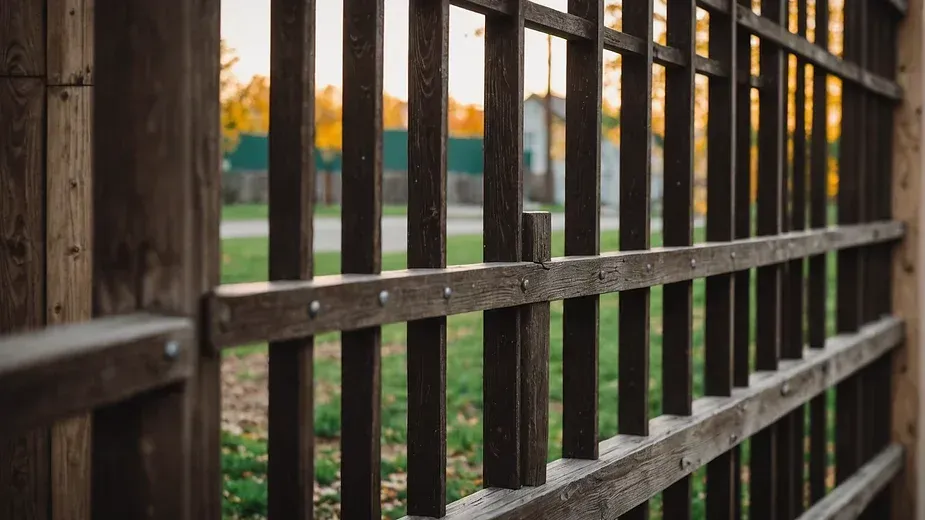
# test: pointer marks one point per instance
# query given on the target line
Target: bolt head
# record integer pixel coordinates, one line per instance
(447, 292)
(171, 349)
(524, 284)
(600, 275)
(314, 308)
(693, 263)
(383, 298)
(648, 267)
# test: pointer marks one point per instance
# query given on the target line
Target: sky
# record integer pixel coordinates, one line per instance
(246, 29)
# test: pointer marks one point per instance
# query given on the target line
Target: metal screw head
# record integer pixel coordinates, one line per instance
(600, 275)
(648, 267)
(785, 389)
(524, 284)
(447, 292)
(314, 308)
(733, 437)
(171, 349)
(693, 263)
(686, 463)
(732, 255)
(383, 298)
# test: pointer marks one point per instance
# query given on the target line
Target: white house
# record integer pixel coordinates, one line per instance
(535, 139)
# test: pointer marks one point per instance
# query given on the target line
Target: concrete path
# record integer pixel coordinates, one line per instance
(394, 229)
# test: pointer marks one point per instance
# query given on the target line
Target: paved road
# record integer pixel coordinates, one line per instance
(394, 229)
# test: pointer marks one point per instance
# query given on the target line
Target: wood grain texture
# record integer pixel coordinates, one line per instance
(584, 69)
(207, 205)
(24, 459)
(635, 163)
(534, 359)
(428, 74)
(143, 220)
(719, 317)
(244, 313)
(22, 39)
(618, 481)
(907, 266)
(69, 40)
(743, 207)
(68, 274)
(82, 359)
(850, 498)
(362, 252)
(502, 239)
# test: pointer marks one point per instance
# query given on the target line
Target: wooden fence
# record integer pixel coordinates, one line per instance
(148, 364)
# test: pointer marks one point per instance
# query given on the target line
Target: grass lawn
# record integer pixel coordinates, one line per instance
(261, 211)
(244, 450)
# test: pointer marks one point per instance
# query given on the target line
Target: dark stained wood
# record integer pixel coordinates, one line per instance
(427, 134)
(816, 297)
(633, 469)
(771, 139)
(851, 497)
(24, 458)
(721, 177)
(534, 359)
(80, 359)
(208, 484)
(22, 39)
(850, 279)
(503, 205)
(69, 42)
(362, 253)
(291, 189)
(584, 69)
(635, 163)
(743, 208)
(143, 220)
(245, 313)
(677, 301)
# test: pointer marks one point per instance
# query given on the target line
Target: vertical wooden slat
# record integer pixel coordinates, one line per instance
(772, 105)
(795, 270)
(143, 240)
(68, 286)
(850, 280)
(677, 369)
(743, 229)
(816, 304)
(291, 190)
(427, 141)
(503, 189)
(361, 252)
(534, 358)
(635, 168)
(720, 227)
(24, 459)
(580, 322)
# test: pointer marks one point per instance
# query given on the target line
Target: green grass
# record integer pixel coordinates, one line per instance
(246, 260)
(261, 211)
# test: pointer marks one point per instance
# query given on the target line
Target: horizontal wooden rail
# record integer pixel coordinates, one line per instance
(245, 313)
(63, 370)
(632, 469)
(571, 27)
(850, 498)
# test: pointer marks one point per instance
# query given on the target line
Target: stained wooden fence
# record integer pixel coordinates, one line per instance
(147, 366)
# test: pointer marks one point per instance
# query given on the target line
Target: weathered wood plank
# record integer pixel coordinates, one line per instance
(618, 481)
(534, 359)
(584, 68)
(291, 189)
(22, 39)
(243, 313)
(743, 207)
(24, 459)
(427, 137)
(68, 270)
(69, 42)
(503, 206)
(143, 220)
(851, 497)
(83, 359)
(362, 252)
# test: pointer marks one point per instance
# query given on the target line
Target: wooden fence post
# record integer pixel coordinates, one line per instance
(908, 282)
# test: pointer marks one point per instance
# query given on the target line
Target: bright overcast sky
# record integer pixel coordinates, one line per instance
(246, 28)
